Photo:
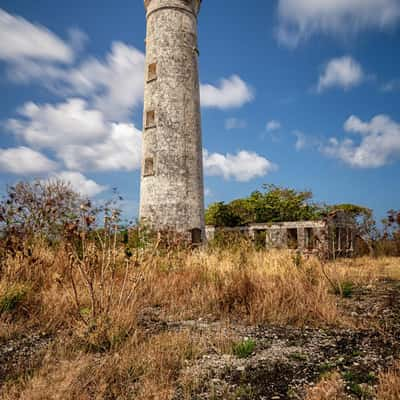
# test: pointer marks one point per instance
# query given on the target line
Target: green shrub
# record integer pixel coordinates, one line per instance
(244, 349)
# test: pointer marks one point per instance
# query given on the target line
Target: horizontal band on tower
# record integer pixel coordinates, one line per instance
(172, 8)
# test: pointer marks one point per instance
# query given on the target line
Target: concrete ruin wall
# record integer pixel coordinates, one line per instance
(329, 238)
(172, 195)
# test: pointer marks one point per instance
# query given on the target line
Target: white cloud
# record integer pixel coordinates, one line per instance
(391, 86)
(77, 39)
(113, 86)
(24, 161)
(80, 183)
(231, 93)
(242, 167)
(301, 140)
(79, 136)
(120, 151)
(53, 126)
(343, 72)
(235, 123)
(379, 144)
(299, 19)
(273, 125)
(21, 40)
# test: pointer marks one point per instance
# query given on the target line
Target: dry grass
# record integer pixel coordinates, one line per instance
(142, 368)
(331, 387)
(92, 303)
(389, 384)
(60, 292)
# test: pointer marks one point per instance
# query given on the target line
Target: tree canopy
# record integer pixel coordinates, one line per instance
(280, 204)
(272, 204)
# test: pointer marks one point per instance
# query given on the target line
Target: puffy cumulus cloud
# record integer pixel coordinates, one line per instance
(235, 123)
(21, 40)
(24, 161)
(81, 137)
(231, 93)
(80, 183)
(120, 151)
(242, 167)
(113, 86)
(299, 19)
(379, 144)
(343, 72)
(53, 126)
(273, 125)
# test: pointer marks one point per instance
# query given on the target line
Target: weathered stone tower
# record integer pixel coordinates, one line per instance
(172, 195)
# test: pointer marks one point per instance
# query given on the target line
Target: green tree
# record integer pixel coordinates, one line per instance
(220, 214)
(273, 204)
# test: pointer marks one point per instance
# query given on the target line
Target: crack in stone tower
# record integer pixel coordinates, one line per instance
(171, 193)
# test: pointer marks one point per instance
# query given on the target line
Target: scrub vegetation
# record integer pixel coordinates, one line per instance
(91, 309)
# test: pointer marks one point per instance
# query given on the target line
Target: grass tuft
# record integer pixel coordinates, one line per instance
(244, 349)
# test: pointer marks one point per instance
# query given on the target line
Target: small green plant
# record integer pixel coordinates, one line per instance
(12, 298)
(356, 383)
(244, 349)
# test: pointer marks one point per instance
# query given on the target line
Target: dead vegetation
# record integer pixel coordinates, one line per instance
(116, 319)
(90, 311)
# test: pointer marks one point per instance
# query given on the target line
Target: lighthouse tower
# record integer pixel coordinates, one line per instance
(171, 193)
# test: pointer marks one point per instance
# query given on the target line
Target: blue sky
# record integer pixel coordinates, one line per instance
(299, 93)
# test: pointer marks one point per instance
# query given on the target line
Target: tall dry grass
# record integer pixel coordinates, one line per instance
(389, 384)
(92, 300)
(106, 292)
(143, 368)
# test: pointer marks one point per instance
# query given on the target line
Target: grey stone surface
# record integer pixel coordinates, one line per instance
(172, 194)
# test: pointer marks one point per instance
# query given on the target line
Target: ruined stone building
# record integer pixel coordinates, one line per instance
(334, 236)
(171, 194)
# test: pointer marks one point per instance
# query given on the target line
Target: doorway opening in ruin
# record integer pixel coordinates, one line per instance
(309, 238)
(260, 237)
(349, 240)
(196, 236)
(292, 239)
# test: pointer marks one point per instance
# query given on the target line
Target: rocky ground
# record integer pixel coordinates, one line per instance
(274, 362)
(286, 361)
(21, 355)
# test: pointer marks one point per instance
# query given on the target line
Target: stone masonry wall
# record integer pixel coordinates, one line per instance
(172, 195)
